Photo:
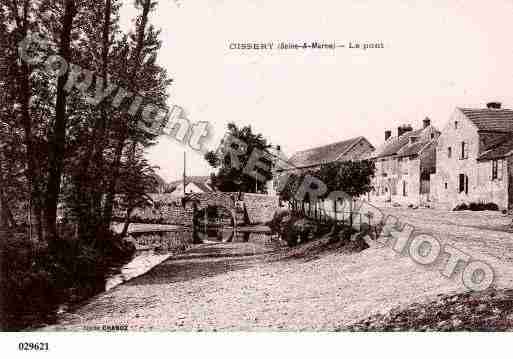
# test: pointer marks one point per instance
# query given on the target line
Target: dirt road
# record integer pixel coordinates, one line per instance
(247, 286)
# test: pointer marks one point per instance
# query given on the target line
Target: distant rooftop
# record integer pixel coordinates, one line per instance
(324, 154)
(200, 181)
(401, 146)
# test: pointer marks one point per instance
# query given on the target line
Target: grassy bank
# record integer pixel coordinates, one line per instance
(491, 310)
(36, 279)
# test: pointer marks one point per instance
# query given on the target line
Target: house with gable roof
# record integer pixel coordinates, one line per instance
(193, 184)
(475, 158)
(404, 165)
(353, 149)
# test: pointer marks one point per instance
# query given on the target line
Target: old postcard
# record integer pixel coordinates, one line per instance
(179, 166)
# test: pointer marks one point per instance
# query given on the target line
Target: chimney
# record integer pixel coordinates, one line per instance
(426, 122)
(494, 105)
(401, 130)
(388, 134)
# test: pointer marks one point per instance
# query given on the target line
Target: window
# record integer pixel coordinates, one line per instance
(432, 136)
(405, 189)
(449, 152)
(463, 180)
(445, 185)
(455, 125)
(497, 169)
(464, 150)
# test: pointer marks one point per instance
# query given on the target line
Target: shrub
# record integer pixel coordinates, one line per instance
(36, 278)
(475, 206)
(491, 206)
(461, 207)
(346, 233)
(279, 216)
(480, 206)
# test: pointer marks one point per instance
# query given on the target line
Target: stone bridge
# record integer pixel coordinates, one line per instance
(227, 200)
(174, 214)
(245, 207)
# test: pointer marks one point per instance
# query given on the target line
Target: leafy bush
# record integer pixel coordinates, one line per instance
(473, 206)
(278, 217)
(491, 207)
(346, 233)
(461, 207)
(36, 278)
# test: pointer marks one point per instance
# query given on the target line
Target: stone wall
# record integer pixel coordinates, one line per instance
(177, 214)
(165, 210)
(223, 199)
(260, 208)
(169, 241)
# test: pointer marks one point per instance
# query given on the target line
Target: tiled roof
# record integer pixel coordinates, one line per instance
(500, 151)
(500, 120)
(413, 149)
(394, 144)
(199, 181)
(490, 140)
(323, 154)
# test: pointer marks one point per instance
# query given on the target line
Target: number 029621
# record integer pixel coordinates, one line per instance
(33, 346)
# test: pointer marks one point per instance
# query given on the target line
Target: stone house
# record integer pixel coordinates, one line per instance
(475, 158)
(353, 149)
(404, 164)
(193, 184)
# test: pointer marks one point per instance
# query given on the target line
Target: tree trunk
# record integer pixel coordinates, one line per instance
(109, 202)
(127, 223)
(111, 191)
(57, 139)
(6, 217)
(23, 77)
(95, 156)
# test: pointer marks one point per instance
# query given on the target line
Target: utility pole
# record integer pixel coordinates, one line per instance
(184, 163)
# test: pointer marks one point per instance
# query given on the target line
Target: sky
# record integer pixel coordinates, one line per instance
(438, 55)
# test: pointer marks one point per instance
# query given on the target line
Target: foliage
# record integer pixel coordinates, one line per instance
(233, 178)
(351, 177)
(473, 206)
(58, 150)
(289, 184)
(61, 153)
(35, 279)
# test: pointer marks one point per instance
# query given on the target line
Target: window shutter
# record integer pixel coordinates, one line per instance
(500, 166)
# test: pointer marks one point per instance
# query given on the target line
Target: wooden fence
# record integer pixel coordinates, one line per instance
(321, 214)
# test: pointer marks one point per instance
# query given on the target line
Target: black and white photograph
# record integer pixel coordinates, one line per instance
(255, 171)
